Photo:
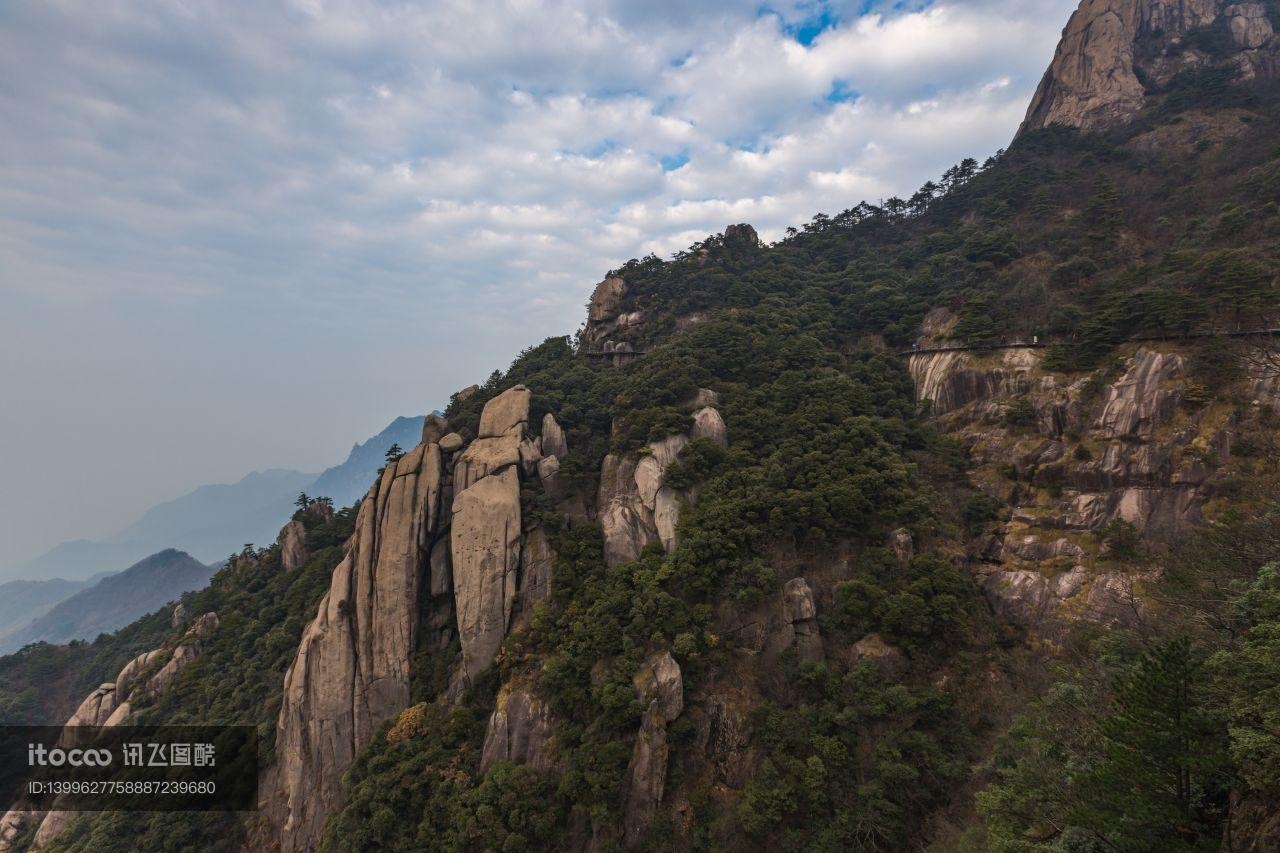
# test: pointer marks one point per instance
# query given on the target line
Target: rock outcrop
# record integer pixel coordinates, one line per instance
(351, 672)
(1113, 51)
(741, 236)
(293, 545)
(485, 541)
(635, 507)
(1026, 597)
(486, 557)
(660, 690)
(1143, 398)
(604, 313)
(949, 380)
(520, 730)
(1128, 446)
(143, 678)
(801, 618)
(707, 423)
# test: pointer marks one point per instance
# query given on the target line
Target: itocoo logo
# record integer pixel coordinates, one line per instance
(39, 756)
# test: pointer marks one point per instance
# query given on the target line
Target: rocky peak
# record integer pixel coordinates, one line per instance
(1111, 47)
(741, 235)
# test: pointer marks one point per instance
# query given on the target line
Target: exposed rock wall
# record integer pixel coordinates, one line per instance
(948, 382)
(520, 729)
(485, 541)
(293, 545)
(635, 506)
(439, 544)
(604, 313)
(1122, 447)
(351, 672)
(1110, 46)
(143, 678)
(660, 690)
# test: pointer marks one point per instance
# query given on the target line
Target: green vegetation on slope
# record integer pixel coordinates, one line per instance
(236, 680)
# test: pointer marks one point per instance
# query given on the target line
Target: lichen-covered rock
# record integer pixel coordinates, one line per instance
(659, 680)
(666, 517)
(1033, 549)
(948, 381)
(293, 545)
(1093, 81)
(484, 456)
(606, 299)
(634, 505)
(433, 429)
(704, 398)
(1141, 400)
(505, 413)
(799, 610)
(660, 690)
(903, 546)
(741, 236)
(520, 729)
(537, 561)
(485, 543)
(530, 451)
(1249, 25)
(12, 826)
(624, 520)
(133, 670)
(554, 442)
(724, 735)
(351, 670)
(1028, 598)
(707, 423)
(96, 707)
(797, 601)
(652, 468)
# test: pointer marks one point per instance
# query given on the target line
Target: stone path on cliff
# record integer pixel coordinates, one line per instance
(1239, 333)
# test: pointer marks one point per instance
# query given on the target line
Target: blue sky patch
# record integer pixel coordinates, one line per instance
(671, 162)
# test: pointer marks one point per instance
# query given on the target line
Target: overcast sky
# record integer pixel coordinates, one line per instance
(242, 234)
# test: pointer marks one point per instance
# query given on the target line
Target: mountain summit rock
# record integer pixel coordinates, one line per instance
(1116, 54)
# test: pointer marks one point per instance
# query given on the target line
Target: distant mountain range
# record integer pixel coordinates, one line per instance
(23, 601)
(212, 522)
(113, 601)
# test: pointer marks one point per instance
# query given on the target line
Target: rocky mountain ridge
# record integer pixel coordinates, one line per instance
(1115, 54)
(114, 601)
(737, 569)
(444, 525)
(213, 521)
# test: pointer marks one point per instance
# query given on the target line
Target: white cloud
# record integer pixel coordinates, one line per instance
(375, 182)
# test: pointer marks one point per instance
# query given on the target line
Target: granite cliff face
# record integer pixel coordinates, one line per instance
(351, 672)
(1067, 458)
(1115, 53)
(112, 704)
(442, 525)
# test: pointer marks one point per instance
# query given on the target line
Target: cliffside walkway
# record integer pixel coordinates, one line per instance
(1238, 333)
(971, 348)
(612, 354)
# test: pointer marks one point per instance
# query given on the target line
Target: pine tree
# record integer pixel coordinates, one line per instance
(1159, 783)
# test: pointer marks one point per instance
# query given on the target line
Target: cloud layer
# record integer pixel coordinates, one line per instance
(250, 232)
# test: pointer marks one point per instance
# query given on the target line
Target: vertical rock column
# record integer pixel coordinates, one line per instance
(485, 537)
(351, 672)
(660, 689)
